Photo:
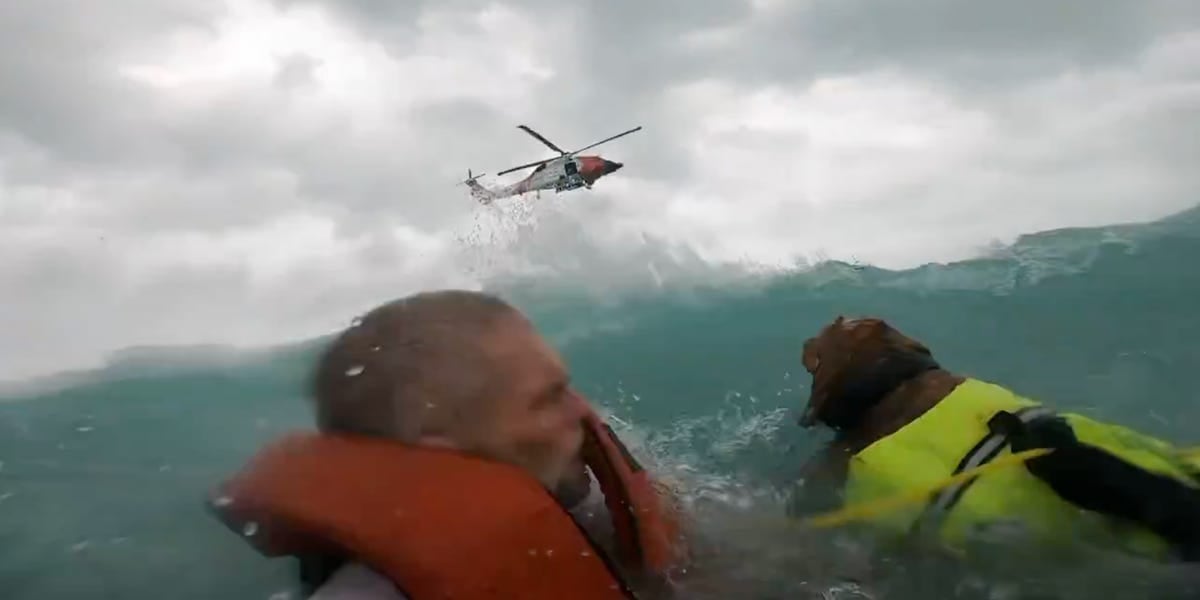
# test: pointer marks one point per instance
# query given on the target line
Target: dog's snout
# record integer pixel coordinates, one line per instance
(808, 356)
(808, 418)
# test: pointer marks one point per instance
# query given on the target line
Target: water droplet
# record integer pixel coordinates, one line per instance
(81, 546)
(223, 501)
(549, 552)
(280, 596)
(532, 552)
(354, 371)
(250, 529)
(430, 405)
(376, 348)
(585, 553)
(84, 428)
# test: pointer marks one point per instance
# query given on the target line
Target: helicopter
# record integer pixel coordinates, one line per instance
(565, 172)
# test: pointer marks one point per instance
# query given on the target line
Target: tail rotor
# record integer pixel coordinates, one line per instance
(478, 192)
(470, 178)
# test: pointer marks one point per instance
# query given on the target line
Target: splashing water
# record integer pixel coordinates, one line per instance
(700, 373)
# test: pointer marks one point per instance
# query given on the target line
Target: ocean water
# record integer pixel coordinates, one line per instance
(103, 475)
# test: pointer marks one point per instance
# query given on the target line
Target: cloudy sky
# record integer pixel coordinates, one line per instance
(250, 171)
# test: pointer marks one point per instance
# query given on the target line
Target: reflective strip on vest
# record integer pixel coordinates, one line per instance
(984, 452)
(924, 451)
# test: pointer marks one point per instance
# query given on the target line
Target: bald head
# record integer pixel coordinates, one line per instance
(413, 367)
(462, 370)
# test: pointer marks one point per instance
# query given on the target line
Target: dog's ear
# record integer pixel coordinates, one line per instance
(912, 345)
(820, 359)
(817, 396)
(895, 339)
(865, 329)
(809, 357)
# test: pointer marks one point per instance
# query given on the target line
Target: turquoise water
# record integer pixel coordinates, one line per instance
(102, 481)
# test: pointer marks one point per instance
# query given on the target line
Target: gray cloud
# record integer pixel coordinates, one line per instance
(296, 72)
(273, 201)
(954, 35)
(59, 89)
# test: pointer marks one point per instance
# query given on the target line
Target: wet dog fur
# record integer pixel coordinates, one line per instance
(870, 380)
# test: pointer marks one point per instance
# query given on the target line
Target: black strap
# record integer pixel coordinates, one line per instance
(1000, 428)
(1191, 470)
(315, 571)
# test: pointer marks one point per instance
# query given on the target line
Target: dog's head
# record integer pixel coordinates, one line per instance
(854, 364)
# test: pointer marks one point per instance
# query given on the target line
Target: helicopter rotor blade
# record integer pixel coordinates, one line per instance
(559, 150)
(608, 139)
(541, 139)
(525, 166)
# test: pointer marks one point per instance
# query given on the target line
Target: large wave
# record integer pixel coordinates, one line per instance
(103, 472)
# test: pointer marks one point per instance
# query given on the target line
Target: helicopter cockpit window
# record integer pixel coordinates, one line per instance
(570, 167)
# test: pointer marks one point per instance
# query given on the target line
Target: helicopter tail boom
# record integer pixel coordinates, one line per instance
(478, 192)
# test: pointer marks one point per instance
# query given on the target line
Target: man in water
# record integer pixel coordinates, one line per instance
(390, 500)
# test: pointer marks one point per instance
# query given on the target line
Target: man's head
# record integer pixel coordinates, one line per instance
(462, 370)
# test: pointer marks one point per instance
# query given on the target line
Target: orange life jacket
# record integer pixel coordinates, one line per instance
(443, 524)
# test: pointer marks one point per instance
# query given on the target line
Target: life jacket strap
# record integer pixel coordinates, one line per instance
(987, 449)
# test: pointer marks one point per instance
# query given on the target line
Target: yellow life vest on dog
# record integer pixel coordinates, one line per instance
(954, 436)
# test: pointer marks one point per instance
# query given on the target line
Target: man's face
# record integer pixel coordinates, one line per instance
(535, 419)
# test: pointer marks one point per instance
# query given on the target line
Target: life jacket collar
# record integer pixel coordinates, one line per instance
(418, 515)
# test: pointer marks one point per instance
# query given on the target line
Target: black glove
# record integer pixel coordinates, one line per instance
(1043, 432)
(1093, 479)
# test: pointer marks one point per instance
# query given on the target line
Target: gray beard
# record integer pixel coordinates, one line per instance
(571, 492)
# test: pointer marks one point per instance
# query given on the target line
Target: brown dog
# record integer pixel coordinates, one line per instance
(870, 381)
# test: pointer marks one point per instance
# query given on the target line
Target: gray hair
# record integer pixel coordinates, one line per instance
(413, 366)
